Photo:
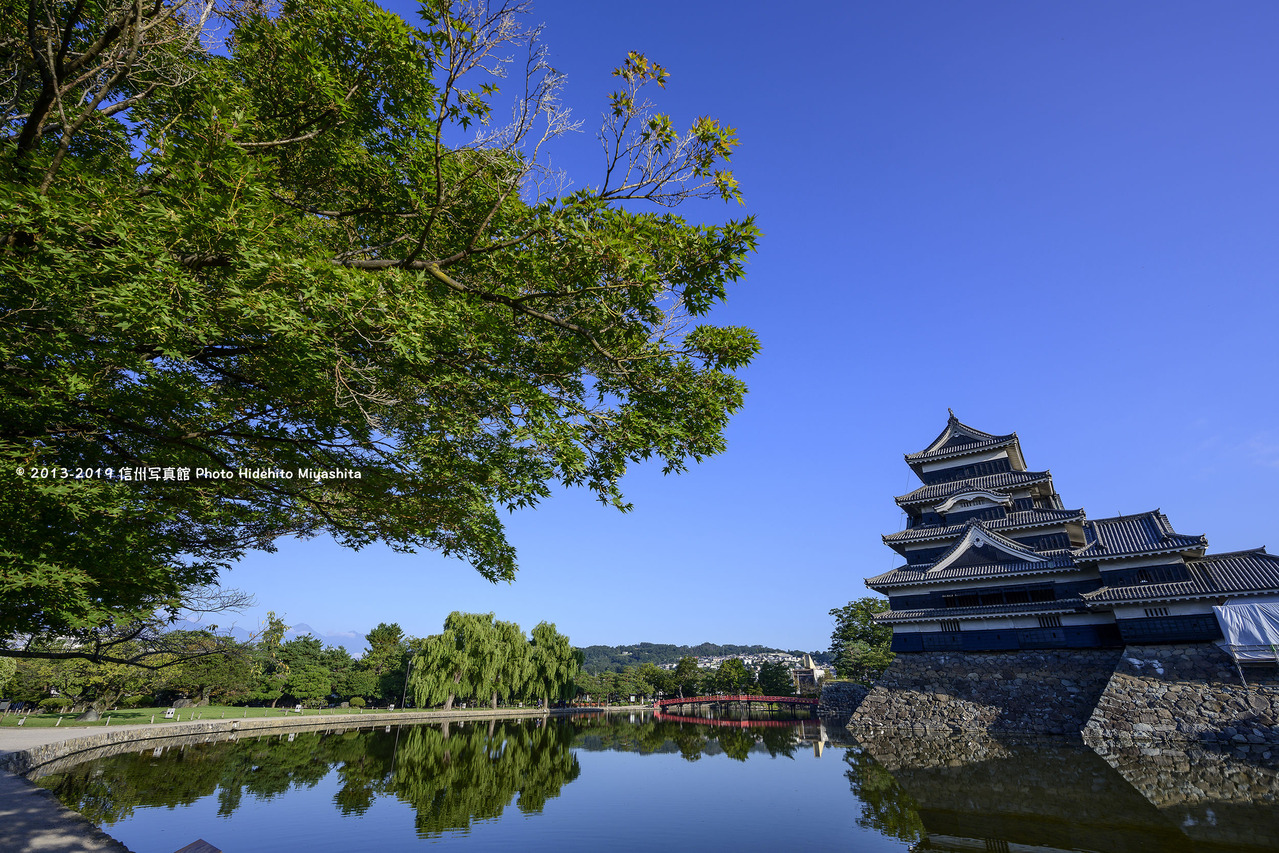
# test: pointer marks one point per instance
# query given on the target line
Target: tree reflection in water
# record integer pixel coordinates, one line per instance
(885, 806)
(451, 775)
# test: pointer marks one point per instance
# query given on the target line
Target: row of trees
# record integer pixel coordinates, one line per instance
(480, 658)
(208, 669)
(476, 658)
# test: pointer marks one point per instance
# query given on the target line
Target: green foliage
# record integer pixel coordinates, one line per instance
(687, 677)
(210, 669)
(733, 677)
(885, 806)
(859, 646)
(356, 702)
(478, 658)
(8, 666)
(54, 704)
(775, 679)
(270, 257)
(555, 664)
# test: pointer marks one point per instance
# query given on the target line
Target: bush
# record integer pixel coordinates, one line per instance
(55, 704)
(357, 702)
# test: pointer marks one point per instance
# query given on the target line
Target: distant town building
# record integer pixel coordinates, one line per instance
(807, 675)
(995, 561)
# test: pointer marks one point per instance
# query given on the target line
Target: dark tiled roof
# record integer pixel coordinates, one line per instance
(1215, 575)
(991, 482)
(1014, 521)
(989, 443)
(1131, 535)
(936, 448)
(920, 576)
(981, 612)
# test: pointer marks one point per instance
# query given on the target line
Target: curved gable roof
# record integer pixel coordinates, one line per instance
(959, 439)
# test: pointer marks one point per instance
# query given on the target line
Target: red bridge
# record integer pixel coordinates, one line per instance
(741, 697)
(738, 724)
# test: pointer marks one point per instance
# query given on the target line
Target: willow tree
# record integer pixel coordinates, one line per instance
(308, 283)
(515, 666)
(466, 661)
(555, 664)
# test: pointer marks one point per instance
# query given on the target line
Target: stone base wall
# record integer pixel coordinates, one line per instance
(1187, 692)
(840, 699)
(1052, 691)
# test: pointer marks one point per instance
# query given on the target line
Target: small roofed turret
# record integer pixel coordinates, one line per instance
(959, 441)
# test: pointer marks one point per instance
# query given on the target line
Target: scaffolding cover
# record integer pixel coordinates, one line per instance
(1251, 631)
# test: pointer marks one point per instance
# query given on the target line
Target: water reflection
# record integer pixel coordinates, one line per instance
(918, 792)
(451, 775)
(964, 792)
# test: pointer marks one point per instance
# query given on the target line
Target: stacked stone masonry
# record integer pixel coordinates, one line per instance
(1188, 692)
(1182, 692)
(1025, 692)
(839, 700)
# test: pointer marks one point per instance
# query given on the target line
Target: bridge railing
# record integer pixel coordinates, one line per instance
(738, 697)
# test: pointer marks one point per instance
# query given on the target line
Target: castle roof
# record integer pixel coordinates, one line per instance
(984, 611)
(1022, 519)
(1134, 535)
(959, 439)
(1232, 573)
(1054, 562)
(1006, 481)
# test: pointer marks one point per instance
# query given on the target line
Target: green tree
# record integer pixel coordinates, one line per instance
(269, 669)
(732, 676)
(514, 669)
(211, 668)
(461, 663)
(687, 677)
(309, 684)
(775, 679)
(8, 666)
(386, 645)
(657, 678)
(859, 646)
(293, 254)
(555, 664)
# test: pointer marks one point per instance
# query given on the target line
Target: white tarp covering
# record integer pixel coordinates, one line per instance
(1251, 631)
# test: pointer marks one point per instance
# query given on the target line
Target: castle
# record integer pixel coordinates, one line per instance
(994, 561)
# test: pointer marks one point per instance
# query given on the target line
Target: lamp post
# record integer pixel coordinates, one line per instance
(407, 672)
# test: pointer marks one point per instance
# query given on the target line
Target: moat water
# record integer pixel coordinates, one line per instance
(632, 782)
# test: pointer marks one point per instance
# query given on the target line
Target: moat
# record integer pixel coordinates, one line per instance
(630, 782)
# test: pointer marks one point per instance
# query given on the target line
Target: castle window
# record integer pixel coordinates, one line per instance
(950, 625)
(1042, 593)
(1152, 612)
(1049, 621)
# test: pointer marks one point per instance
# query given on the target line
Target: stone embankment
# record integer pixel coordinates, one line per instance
(1190, 692)
(1025, 692)
(839, 700)
(1187, 692)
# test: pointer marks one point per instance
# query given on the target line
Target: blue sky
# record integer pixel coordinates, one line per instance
(1055, 218)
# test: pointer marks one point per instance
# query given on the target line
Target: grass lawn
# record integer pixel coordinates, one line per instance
(127, 716)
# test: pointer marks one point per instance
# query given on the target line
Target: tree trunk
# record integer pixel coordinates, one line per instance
(495, 700)
(448, 703)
